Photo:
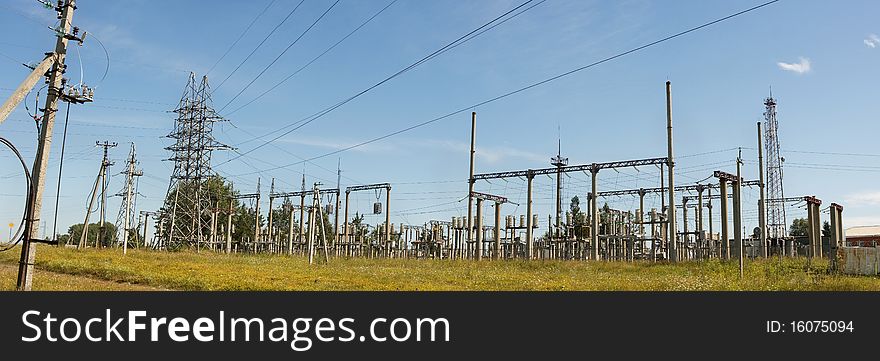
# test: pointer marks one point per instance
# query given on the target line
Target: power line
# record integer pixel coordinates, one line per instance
(303, 122)
(259, 45)
(240, 36)
(517, 91)
(306, 31)
(315, 58)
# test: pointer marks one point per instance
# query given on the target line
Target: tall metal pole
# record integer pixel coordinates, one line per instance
(129, 182)
(673, 247)
(471, 177)
(762, 201)
(529, 243)
(594, 217)
(737, 213)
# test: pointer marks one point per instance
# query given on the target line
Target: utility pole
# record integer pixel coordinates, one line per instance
(673, 247)
(105, 164)
(100, 180)
(336, 238)
(762, 201)
(271, 230)
(41, 160)
(471, 178)
(737, 212)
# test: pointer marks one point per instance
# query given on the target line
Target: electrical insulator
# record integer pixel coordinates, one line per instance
(377, 208)
(535, 220)
(522, 221)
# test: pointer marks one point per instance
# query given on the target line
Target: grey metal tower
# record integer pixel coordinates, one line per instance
(184, 216)
(125, 224)
(559, 162)
(776, 224)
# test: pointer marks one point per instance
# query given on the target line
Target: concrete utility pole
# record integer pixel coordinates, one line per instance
(336, 238)
(101, 180)
(497, 234)
(41, 161)
(529, 242)
(257, 217)
(762, 201)
(271, 230)
(725, 236)
(229, 225)
(84, 235)
(673, 247)
(471, 177)
(105, 163)
(387, 219)
(345, 221)
(594, 216)
(478, 245)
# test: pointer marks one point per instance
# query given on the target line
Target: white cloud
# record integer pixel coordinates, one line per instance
(872, 41)
(871, 198)
(488, 154)
(801, 67)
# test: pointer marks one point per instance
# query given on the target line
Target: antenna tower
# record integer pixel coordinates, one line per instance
(776, 207)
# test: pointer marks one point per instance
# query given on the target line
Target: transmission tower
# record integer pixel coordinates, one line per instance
(775, 206)
(125, 218)
(184, 216)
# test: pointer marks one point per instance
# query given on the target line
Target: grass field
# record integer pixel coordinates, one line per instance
(108, 269)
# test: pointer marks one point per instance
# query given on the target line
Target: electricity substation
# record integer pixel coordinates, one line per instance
(670, 216)
(200, 211)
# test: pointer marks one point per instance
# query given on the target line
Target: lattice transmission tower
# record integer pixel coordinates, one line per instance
(776, 223)
(185, 217)
(125, 224)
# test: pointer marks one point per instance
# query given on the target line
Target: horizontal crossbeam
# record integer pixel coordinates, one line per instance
(594, 167)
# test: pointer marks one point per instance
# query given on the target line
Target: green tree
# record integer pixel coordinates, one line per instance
(74, 233)
(218, 193)
(799, 227)
(578, 218)
(826, 229)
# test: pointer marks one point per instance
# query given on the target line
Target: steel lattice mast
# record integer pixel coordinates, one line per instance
(125, 218)
(184, 217)
(776, 223)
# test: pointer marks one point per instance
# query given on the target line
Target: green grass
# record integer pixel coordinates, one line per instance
(212, 271)
(53, 281)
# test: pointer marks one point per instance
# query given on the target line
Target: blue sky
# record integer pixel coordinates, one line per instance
(819, 57)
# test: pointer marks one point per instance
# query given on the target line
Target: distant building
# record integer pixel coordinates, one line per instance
(863, 236)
